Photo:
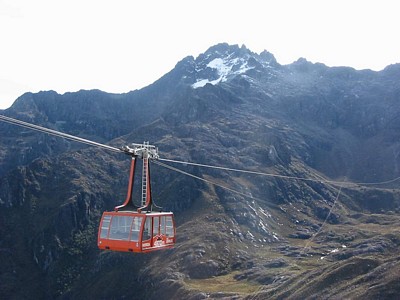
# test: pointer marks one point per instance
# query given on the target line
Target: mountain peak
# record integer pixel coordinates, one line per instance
(222, 62)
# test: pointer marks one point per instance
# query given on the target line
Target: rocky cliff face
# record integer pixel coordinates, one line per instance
(264, 236)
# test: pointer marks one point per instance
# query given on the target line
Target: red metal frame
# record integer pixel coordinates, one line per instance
(157, 241)
(121, 239)
(130, 186)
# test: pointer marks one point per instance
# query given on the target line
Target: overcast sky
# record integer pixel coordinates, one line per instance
(122, 45)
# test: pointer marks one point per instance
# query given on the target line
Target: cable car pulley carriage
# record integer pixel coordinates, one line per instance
(131, 228)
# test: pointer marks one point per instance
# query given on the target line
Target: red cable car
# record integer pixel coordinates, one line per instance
(137, 229)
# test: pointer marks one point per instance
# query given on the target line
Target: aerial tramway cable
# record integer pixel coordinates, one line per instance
(151, 152)
(115, 149)
(238, 170)
(319, 180)
(56, 133)
(207, 181)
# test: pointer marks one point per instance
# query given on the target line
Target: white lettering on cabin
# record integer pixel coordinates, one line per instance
(158, 243)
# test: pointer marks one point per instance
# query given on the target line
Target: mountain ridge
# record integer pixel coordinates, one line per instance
(301, 120)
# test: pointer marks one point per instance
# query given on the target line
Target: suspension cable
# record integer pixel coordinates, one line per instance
(320, 180)
(207, 181)
(57, 133)
(244, 171)
(92, 143)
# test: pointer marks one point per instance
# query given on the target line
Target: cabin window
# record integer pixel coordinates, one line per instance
(147, 229)
(136, 225)
(105, 225)
(156, 221)
(169, 226)
(120, 227)
(162, 225)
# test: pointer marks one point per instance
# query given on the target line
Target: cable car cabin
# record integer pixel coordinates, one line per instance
(132, 228)
(136, 232)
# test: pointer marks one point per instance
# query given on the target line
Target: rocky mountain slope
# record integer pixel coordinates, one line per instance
(332, 234)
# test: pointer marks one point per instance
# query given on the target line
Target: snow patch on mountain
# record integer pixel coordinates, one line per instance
(225, 67)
